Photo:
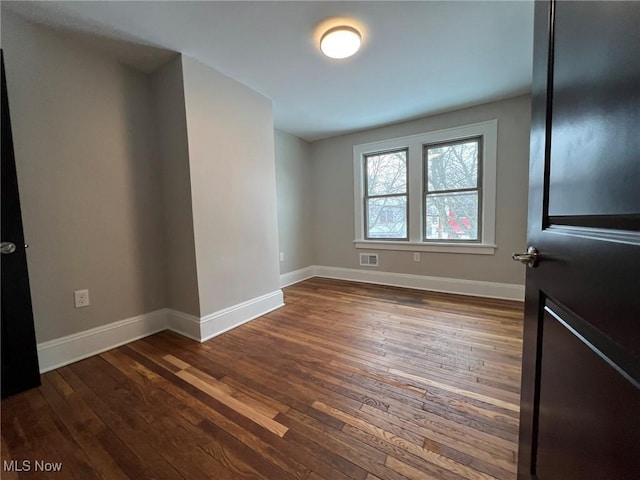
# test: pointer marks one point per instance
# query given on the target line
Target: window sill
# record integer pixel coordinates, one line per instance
(468, 248)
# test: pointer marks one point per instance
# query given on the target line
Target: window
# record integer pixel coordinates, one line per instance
(429, 192)
(452, 191)
(385, 199)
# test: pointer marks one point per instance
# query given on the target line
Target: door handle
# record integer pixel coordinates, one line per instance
(530, 258)
(7, 247)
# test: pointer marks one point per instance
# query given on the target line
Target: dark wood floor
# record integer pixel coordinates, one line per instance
(347, 381)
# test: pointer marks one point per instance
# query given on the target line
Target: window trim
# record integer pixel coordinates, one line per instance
(366, 196)
(415, 164)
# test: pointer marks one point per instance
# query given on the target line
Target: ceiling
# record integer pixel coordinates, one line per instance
(418, 57)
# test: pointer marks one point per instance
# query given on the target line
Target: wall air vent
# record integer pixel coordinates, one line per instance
(369, 259)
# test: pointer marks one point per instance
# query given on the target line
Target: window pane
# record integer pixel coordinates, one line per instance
(453, 166)
(387, 217)
(452, 216)
(387, 173)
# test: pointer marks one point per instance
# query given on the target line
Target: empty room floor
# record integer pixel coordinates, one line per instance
(346, 381)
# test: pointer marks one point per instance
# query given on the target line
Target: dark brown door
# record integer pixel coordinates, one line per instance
(19, 355)
(580, 404)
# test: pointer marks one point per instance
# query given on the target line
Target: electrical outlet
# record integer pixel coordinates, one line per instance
(81, 298)
(416, 256)
(282, 256)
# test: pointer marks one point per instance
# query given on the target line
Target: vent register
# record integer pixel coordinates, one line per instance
(369, 259)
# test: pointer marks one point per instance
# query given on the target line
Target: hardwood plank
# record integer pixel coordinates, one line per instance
(284, 454)
(271, 402)
(227, 449)
(340, 444)
(408, 471)
(202, 415)
(231, 402)
(131, 415)
(335, 461)
(455, 440)
(246, 401)
(418, 451)
(82, 423)
(346, 382)
(176, 361)
(7, 457)
(465, 393)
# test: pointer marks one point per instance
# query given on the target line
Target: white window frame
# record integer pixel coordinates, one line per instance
(415, 146)
(366, 196)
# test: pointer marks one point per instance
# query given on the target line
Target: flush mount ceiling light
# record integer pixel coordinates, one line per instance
(340, 42)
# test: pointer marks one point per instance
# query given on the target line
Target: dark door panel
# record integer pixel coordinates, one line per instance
(20, 369)
(580, 396)
(588, 278)
(595, 90)
(588, 410)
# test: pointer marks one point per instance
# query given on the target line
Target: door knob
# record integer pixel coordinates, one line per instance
(7, 247)
(530, 258)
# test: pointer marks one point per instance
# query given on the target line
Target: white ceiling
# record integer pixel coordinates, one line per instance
(418, 57)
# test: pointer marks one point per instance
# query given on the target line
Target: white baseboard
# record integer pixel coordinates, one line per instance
(458, 286)
(224, 320)
(65, 350)
(183, 324)
(297, 276)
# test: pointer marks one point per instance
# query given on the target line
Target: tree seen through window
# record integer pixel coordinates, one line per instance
(452, 190)
(386, 195)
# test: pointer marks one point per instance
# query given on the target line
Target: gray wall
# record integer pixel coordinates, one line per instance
(233, 188)
(180, 251)
(182, 211)
(89, 180)
(333, 216)
(151, 191)
(294, 189)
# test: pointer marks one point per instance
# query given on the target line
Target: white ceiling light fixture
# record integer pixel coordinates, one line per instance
(340, 42)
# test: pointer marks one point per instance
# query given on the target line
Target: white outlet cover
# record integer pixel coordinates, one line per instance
(81, 298)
